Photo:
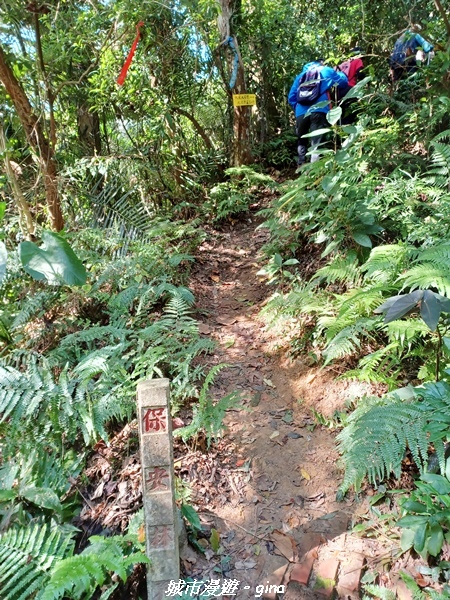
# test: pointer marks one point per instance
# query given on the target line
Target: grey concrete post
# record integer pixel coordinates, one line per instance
(158, 488)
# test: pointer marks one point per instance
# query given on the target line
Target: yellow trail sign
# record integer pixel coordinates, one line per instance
(244, 99)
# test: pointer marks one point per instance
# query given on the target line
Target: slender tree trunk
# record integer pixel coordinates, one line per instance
(36, 138)
(241, 151)
(25, 217)
(202, 133)
(444, 16)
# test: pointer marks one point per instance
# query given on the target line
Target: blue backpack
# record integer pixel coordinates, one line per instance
(309, 86)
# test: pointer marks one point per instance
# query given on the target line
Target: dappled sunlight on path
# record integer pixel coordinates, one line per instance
(280, 515)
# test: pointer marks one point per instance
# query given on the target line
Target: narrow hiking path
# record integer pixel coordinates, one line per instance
(268, 486)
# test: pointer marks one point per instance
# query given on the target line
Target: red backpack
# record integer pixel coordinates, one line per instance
(350, 67)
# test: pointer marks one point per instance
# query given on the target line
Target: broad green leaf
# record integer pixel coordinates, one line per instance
(420, 537)
(356, 91)
(3, 260)
(349, 129)
(2, 210)
(413, 506)
(54, 261)
(317, 105)
(446, 345)
(444, 302)
(329, 183)
(430, 309)
(362, 239)
(317, 132)
(440, 484)
(277, 260)
(331, 246)
(386, 305)
(412, 521)
(43, 497)
(407, 539)
(334, 115)
(290, 261)
(191, 516)
(342, 157)
(435, 540)
(7, 495)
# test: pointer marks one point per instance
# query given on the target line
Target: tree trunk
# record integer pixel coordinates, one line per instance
(25, 218)
(36, 138)
(241, 151)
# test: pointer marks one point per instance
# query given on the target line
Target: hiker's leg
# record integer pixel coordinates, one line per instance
(318, 121)
(348, 112)
(302, 127)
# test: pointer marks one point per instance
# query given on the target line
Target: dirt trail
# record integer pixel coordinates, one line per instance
(269, 486)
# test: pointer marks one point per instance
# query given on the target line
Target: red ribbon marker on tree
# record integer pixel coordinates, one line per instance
(126, 66)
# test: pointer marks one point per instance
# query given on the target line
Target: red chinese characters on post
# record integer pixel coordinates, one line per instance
(162, 537)
(155, 420)
(157, 479)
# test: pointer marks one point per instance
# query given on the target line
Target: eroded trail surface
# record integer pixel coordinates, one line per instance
(268, 486)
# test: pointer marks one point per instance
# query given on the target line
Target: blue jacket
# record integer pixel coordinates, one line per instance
(406, 46)
(329, 78)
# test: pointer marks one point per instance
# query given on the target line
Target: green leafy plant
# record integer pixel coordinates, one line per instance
(37, 562)
(208, 414)
(381, 429)
(275, 270)
(427, 519)
(27, 556)
(232, 198)
(54, 261)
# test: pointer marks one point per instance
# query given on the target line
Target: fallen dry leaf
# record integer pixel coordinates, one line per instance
(285, 544)
(305, 474)
(141, 534)
(226, 320)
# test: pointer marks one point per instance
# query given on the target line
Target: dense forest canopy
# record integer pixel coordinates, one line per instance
(171, 126)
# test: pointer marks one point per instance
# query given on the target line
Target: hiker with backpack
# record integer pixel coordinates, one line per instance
(408, 50)
(309, 98)
(353, 69)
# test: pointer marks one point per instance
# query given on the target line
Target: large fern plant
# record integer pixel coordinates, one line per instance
(380, 430)
(37, 562)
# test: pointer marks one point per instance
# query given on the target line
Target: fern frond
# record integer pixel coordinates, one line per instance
(406, 331)
(426, 276)
(381, 429)
(374, 441)
(27, 556)
(72, 345)
(35, 305)
(79, 576)
(379, 592)
(19, 393)
(343, 269)
(379, 366)
(348, 340)
(386, 262)
(438, 255)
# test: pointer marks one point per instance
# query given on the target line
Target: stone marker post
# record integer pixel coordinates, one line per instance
(158, 490)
